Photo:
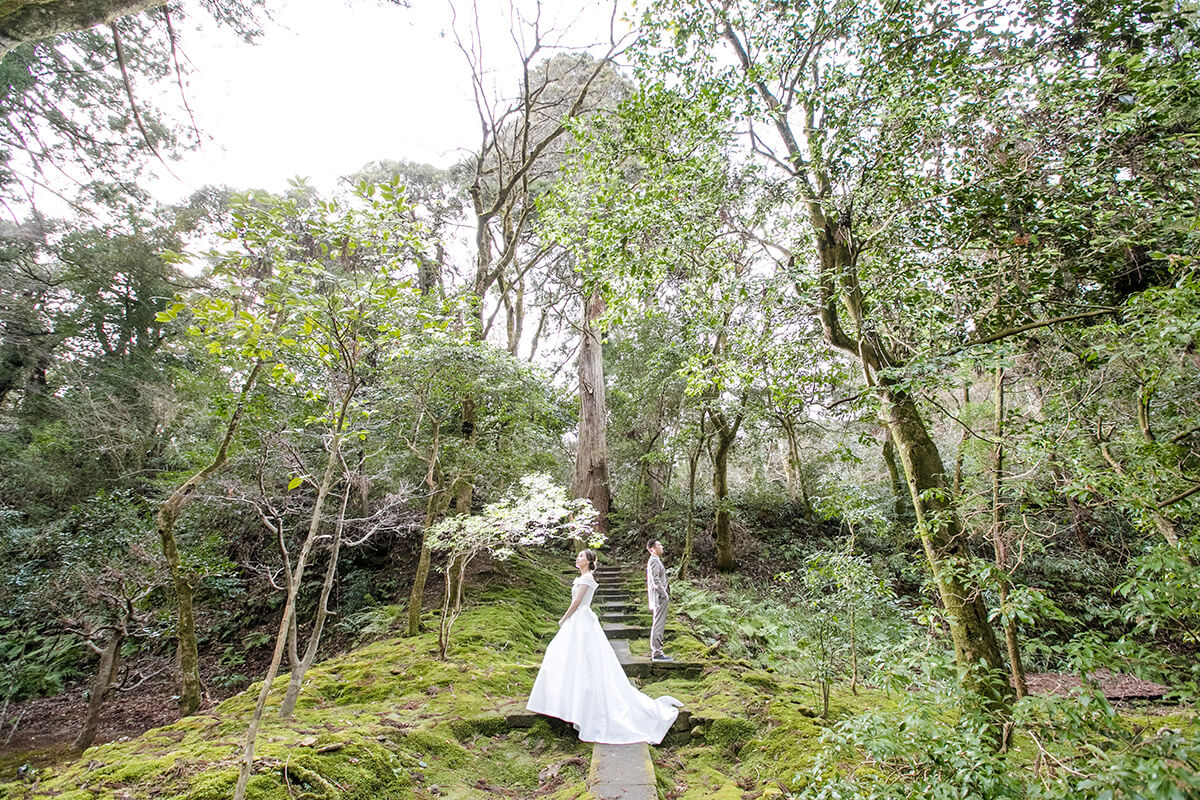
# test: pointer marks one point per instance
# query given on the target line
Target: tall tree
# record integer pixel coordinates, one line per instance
(839, 89)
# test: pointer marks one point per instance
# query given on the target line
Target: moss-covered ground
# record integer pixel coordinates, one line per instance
(387, 720)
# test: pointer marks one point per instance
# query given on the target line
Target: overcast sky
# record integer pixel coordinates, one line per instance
(333, 85)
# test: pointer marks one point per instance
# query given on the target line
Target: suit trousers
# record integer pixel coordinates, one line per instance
(657, 628)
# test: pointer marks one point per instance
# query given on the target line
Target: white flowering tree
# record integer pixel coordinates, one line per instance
(539, 511)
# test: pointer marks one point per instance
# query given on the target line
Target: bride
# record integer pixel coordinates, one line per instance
(581, 680)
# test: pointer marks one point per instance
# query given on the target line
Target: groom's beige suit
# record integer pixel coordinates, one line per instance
(658, 598)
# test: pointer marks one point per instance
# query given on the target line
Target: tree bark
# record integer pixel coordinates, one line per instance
(726, 433)
(1000, 542)
(591, 458)
(976, 651)
(300, 666)
(247, 764)
(106, 677)
(38, 19)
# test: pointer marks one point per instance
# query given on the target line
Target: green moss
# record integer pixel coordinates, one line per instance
(729, 733)
(464, 729)
(763, 680)
(385, 721)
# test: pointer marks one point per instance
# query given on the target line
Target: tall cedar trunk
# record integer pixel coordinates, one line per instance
(300, 666)
(106, 678)
(591, 459)
(246, 767)
(725, 437)
(168, 513)
(976, 651)
(1000, 541)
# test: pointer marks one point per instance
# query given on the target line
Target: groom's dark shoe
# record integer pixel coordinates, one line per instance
(663, 657)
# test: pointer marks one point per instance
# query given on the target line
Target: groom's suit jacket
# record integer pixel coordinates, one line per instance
(656, 582)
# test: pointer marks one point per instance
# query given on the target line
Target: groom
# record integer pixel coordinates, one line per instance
(656, 593)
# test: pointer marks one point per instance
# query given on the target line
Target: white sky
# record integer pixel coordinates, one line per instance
(333, 85)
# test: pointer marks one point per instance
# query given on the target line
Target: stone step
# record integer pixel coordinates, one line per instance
(515, 715)
(619, 630)
(643, 667)
(623, 609)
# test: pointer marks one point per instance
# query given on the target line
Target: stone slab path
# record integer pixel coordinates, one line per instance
(625, 771)
(622, 772)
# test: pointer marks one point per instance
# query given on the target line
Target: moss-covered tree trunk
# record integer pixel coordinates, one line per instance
(168, 514)
(726, 432)
(977, 653)
(838, 292)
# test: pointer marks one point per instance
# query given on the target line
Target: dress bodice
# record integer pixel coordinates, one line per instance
(589, 588)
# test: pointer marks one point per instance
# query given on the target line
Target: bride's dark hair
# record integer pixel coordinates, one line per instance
(591, 557)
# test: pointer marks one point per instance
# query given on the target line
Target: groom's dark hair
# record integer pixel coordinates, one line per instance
(650, 544)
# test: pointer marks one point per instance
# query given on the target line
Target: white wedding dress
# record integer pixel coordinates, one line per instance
(581, 681)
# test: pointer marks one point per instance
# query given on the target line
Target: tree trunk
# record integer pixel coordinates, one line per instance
(247, 763)
(724, 537)
(1000, 542)
(300, 667)
(106, 677)
(591, 458)
(797, 489)
(689, 532)
(981, 667)
(29, 20)
(902, 507)
(435, 506)
(168, 513)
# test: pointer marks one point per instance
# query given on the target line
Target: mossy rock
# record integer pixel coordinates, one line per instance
(729, 733)
(761, 679)
(464, 729)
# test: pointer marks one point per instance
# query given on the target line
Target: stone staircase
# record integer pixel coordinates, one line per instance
(623, 771)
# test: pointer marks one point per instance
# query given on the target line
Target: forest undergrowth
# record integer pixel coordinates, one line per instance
(780, 711)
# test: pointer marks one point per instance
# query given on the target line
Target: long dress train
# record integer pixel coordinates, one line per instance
(581, 681)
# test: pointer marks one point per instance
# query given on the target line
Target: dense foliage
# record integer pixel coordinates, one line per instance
(896, 311)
